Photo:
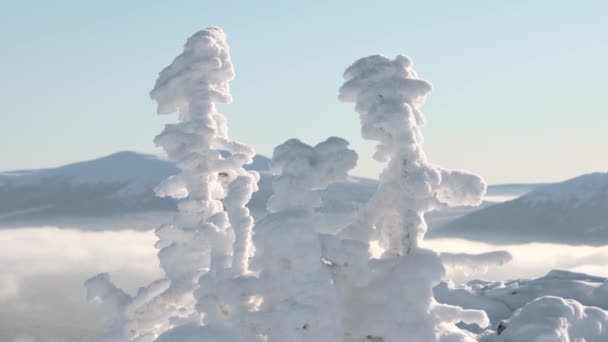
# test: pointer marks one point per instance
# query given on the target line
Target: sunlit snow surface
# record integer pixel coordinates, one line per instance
(42, 299)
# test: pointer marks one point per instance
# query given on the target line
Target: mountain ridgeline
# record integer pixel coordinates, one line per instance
(120, 187)
(574, 212)
(117, 192)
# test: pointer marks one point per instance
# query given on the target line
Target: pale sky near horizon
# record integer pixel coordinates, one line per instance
(519, 85)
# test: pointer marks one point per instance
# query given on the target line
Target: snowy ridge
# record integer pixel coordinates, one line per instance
(117, 185)
(590, 189)
(573, 212)
(138, 173)
(122, 184)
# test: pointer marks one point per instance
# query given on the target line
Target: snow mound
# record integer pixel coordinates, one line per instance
(556, 319)
(550, 308)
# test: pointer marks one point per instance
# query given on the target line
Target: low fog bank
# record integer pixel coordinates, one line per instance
(43, 269)
(530, 260)
(41, 293)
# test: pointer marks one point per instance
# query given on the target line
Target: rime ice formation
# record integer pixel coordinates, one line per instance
(301, 285)
(387, 94)
(192, 85)
(398, 299)
(299, 302)
(289, 296)
(211, 234)
(282, 280)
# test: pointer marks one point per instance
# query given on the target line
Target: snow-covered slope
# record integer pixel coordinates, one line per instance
(587, 190)
(574, 211)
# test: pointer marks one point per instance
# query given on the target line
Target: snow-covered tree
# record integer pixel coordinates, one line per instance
(211, 234)
(298, 299)
(397, 302)
(281, 279)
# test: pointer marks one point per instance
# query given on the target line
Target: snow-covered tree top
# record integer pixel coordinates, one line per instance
(200, 74)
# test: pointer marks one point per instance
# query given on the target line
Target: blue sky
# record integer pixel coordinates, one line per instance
(519, 86)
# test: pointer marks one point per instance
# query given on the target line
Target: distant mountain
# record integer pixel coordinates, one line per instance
(116, 192)
(136, 173)
(118, 184)
(574, 211)
(495, 194)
